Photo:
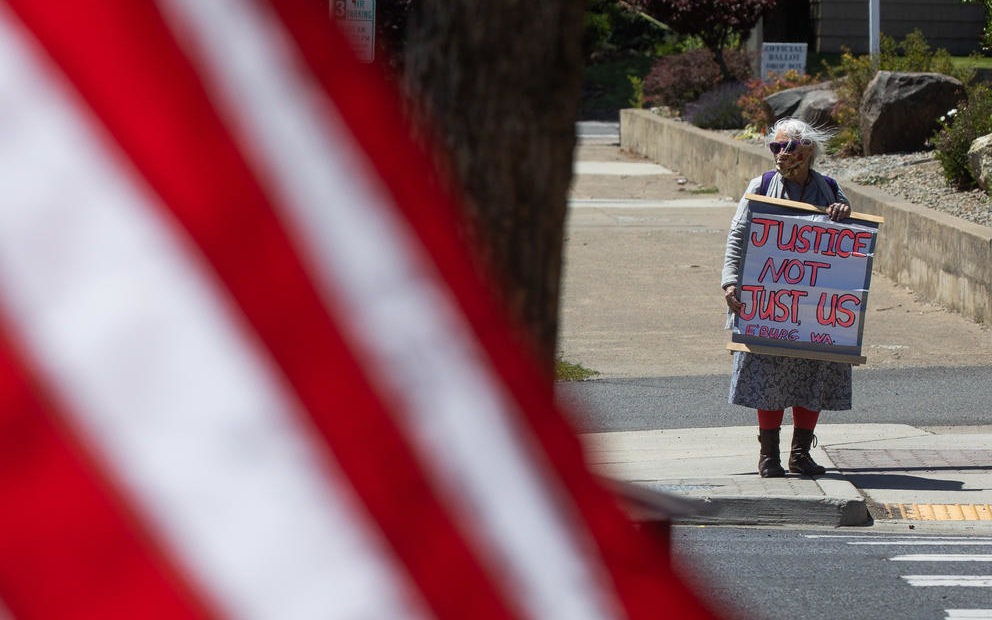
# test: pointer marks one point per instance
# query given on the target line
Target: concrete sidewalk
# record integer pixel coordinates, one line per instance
(900, 472)
(641, 298)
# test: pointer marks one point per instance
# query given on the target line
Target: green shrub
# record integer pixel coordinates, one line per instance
(717, 108)
(609, 86)
(987, 31)
(851, 76)
(959, 128)
(613, 32)
(596, 35)
(854, 73)
(570, 371)
(637, 87)
(752, 105)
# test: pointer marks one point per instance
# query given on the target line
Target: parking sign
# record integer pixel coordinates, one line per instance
(357, 19)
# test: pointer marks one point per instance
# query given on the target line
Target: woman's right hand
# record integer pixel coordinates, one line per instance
(730, 295)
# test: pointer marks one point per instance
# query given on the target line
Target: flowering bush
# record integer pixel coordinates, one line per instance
(677, 79)
(854, 73)
(959, 128)
(752, 102)
(717, 108)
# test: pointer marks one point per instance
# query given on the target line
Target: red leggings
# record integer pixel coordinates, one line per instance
(801, 418)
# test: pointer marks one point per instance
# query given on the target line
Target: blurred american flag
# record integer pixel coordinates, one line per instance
(247, 369)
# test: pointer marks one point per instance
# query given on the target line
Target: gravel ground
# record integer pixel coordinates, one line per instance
(914, 177)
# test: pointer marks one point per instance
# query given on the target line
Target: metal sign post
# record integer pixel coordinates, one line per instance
(873, 30)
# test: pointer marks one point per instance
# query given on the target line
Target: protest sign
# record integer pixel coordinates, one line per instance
(804, 282)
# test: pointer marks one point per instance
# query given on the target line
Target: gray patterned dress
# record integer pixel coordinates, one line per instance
(770, 381)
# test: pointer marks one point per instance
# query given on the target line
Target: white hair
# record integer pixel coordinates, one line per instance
(797, 129)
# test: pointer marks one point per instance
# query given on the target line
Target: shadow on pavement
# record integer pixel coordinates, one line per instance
(904, 482)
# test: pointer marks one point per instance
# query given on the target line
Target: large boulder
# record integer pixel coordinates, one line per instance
(980, 161)
(899, 111)
(813, 103)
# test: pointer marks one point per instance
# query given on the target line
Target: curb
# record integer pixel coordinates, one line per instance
(840, 505)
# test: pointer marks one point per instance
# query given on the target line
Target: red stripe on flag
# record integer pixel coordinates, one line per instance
(69, 547)
(123, 61)
(636, 563)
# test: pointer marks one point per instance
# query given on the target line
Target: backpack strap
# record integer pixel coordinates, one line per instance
(766, 180)
(832, 184)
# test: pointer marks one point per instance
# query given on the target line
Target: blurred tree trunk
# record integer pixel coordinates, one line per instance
(501, 82)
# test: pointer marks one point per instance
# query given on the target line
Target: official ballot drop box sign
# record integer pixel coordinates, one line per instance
(778, 58)
(804, 282)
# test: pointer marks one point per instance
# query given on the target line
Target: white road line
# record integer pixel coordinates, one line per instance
(942, 557)
(950, 581)
(863, 537)
(922, 543)
(968, 614)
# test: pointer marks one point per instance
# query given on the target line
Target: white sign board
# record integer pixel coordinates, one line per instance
(778, 58)
(804, 283)
(356, 18)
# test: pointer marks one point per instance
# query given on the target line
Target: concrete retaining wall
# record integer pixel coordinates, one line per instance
(943, 258)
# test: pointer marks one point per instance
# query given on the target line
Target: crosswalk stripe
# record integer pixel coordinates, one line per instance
(867, 537)
(967, 581)
(942, 557)
(920, 543)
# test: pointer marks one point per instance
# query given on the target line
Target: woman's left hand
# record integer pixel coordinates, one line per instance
(838, 211)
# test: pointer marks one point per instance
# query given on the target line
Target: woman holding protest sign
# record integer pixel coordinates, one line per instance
(771, 383)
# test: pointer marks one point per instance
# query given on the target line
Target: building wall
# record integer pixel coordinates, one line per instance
(946, 24)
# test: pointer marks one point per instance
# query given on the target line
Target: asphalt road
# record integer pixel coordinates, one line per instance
(921, 397)
(762, 573)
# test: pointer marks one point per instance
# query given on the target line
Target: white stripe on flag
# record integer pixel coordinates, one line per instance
(419, 351)
(118, 313)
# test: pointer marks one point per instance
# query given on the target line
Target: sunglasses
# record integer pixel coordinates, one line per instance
(788, 147)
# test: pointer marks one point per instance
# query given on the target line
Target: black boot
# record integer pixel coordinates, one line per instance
(800, 462)
(769, 460)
